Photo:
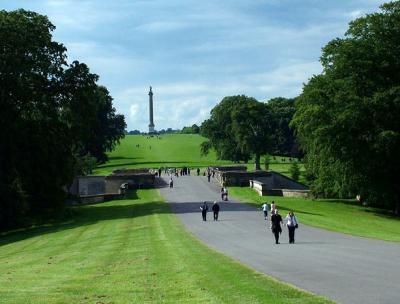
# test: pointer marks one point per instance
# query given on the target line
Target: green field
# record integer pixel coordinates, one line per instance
(128, 251)
(346, 216)
(171, 150)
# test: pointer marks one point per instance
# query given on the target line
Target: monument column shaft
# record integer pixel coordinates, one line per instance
(151, 125)
(151, 109)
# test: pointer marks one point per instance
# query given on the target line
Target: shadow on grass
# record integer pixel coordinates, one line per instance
(298, 211)
(89, 215)
(183, 163)
(110, 158)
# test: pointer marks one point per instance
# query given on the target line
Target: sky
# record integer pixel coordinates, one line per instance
(194, 53)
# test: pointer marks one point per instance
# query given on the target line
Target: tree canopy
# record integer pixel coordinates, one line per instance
(53, 114)
(348, 118)
(239, 128)
(282, 110)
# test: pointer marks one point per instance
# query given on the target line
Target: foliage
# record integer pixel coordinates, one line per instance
(347, 118)
(49, 112)
(282, 110)
(194, 129)
(267, 161)
(238, 128)
(295, 171)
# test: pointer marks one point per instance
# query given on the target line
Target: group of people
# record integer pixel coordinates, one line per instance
(215, 208)
(276, 222)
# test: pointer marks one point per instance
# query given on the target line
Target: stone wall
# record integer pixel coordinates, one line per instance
(277, 184)
(134, 181)
(229, 168)
(87, 185)
(237, 178)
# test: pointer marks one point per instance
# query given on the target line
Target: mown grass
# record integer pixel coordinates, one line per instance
(346, 216)
(172, 150)
(128, 251)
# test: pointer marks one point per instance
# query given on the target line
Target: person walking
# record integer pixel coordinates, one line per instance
(198, 171)
(292, 224)
(273, 207)
(215, 209)
(171, 182)
(225, 194)
(208, 175)
(204, 209)
(276, 228)
(265, 208)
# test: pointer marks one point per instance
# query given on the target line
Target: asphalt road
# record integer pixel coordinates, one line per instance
(343, 268)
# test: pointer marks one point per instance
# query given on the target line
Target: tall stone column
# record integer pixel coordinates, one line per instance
(151, 125)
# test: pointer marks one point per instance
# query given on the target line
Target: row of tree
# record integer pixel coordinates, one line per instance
(56, 121)
(347, 119)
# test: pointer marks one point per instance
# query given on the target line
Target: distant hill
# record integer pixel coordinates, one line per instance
(169, 150)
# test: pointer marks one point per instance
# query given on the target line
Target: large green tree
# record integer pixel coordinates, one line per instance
(39, 141)
(239, 127)
(282, 110)
(348, 118)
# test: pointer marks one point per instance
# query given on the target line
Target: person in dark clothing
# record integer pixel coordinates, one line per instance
(171, 183)
(204, 209)
(276, 228)
(208, 176)
(215, 209)
(159, 172)
(198, 171)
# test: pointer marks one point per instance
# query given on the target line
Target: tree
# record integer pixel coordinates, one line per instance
(347, 118)
(239, 127)
(295, 171)
(194, 129)
(282, 110)
(52, 114)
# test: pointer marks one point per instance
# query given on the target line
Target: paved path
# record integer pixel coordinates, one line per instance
(343, 268)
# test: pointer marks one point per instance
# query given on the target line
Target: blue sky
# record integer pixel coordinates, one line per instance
(194, 53)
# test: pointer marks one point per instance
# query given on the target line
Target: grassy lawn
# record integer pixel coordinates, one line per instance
(128, 251)
(344, 216)
(172, 150)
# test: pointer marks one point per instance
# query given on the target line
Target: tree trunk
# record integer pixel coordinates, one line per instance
(257, 162)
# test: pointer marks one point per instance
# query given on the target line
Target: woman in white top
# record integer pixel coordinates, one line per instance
(292, 224)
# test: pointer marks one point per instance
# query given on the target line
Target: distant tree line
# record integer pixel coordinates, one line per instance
(56, 121)
(194, 129)
(346, 121)
(162, 131)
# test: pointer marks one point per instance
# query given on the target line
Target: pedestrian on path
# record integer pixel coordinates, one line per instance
(265, 208)
(204, 209)
(171, 182)
(276, 228)
(292, 224)
(273, 207)
(215, 209)
(225, 194)
(198, 171)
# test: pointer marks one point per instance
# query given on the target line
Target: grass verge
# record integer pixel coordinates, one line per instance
(128, 251)
(346, 216)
